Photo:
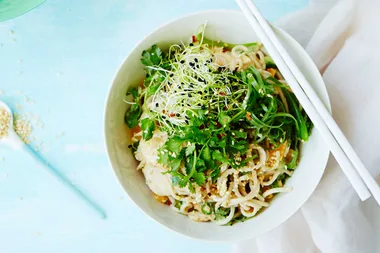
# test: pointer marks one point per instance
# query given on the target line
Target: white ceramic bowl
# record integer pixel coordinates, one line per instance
(229, 26)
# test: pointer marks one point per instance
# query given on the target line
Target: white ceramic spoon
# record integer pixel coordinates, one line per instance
(14, 141)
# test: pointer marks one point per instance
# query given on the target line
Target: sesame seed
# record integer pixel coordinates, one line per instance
(5, 118)
(195, 59)
(23, 128)
(182, 61)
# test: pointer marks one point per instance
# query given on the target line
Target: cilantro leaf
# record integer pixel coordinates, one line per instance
(224, 119)
(152, 56)
(201, 165)
(163, 157)
(172, 162)
(191, 188)
(189, 164)
(152, 89)
(175, 163)
(190, 149)
(218, 156)
(239, 134)
(147, 126)
(134, 92)
(215, 174)
(199, 178)
(174, 144)
(206, 153)
(132, 115)
(178, 179)
(218, 141)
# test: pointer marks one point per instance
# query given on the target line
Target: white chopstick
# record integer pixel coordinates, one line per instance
(324, 113)
(339, 145)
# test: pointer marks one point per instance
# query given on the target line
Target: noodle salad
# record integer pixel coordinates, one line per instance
(215, 128)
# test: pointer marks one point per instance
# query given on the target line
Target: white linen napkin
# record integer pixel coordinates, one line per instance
(343, 38)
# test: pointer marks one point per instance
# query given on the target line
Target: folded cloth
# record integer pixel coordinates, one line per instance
(343, 38)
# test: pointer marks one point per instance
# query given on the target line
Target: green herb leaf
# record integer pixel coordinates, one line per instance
(178, 179)
(207, 208)
(132, 115)
(151, 56)
(205, 155)
(147, 126)
(178, 204)
(293, 163)
(279, 178)
(239, 134)
(191, 187)
(215, 174)
(224, 119)
(190, 149)
(134, 92)
(222, 213)
(218, 156)
(201, 165)
(174, 144)
(199, 178)
(135, 147)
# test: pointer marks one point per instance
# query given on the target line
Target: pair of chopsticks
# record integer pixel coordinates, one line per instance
(352, 166)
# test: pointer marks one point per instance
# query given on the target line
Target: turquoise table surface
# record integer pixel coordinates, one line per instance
(56, 63)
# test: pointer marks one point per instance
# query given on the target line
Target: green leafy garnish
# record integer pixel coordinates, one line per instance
(147, 126)
(132, 115)
(293, 162)
(222, 213)
(207, 208)
(152, 56)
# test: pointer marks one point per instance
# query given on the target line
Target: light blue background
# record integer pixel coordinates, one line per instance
(63, 55)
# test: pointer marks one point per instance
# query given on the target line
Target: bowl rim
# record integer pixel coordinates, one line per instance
(173, 20)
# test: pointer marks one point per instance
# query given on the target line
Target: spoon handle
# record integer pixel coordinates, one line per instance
(65, 181)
